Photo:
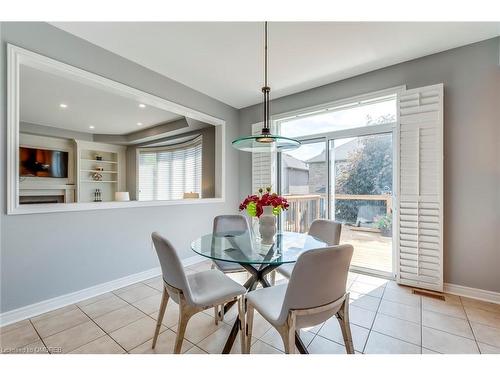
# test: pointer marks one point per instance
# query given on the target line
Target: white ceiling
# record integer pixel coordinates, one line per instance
(225, 59)
(42, 92)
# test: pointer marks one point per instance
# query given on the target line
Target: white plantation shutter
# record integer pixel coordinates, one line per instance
(263, 166)
(419, 216)
(166, 173)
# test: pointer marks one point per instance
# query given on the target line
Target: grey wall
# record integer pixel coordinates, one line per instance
(207, 168)
(471, 76)
(47, 255)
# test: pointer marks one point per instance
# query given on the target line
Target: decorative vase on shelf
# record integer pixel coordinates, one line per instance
(267, 225)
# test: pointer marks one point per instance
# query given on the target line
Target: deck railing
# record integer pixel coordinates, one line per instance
(304, 209)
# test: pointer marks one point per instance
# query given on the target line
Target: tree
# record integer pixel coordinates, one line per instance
(367, 171)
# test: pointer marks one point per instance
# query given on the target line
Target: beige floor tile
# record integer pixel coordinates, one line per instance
(443, 307)
(377, 281)
(381, 344)
(483, 316)
(18, 338)
(483, 305)
(155, 282)
(103, 306)
(171, 316)
(320, 345)
(95, 299)
(11, 327)
(58, 323)
(103, 345)
(401, 311)
(202, 266)
(361, 317)
(195, 350)
(391, 284)
(331, 330)
(488, 349)
(199, 326)
(398, 328)
(486, 334)
(273, 338)
(260, 347)
(164, 345)
(369, 289)
(447, 343)
(140, 292)
(260, 326)
(214, 343)
(402, 296)
(149, 305)
(54, 313)
(447, 323)
(72, 338)
(135, 333)
(428, 351)
(119, 318)
(127, 288)
(364, 301)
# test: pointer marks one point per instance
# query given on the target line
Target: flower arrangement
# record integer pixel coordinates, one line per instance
(254, 204)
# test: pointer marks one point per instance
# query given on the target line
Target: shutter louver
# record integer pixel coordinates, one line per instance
(166, 173)
(420, 213)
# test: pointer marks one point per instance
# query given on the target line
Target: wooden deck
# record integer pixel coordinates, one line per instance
(371, 249)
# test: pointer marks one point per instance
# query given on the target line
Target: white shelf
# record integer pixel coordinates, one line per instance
(101, 161)
(98, 182)
(95, 170)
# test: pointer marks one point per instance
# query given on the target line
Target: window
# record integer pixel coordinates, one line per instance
(167, 173)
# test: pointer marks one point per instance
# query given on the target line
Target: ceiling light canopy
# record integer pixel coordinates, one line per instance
(265, 141)
(62, 105)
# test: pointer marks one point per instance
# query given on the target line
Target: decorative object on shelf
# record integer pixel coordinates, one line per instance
(265, 141)
(191, 195)
(98, 157)
(384, 223)
(96, 176)
(265, 206)
(122, 196)
(97, 195)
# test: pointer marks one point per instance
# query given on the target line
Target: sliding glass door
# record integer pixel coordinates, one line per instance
(361, 177)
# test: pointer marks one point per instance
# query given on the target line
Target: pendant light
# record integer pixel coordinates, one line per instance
(265, 141)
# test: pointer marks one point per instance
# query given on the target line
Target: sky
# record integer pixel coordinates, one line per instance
(332, 121)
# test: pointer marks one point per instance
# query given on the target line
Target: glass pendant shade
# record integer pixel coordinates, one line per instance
(265, 143)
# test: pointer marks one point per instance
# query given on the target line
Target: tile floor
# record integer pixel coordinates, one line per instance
(385, 318)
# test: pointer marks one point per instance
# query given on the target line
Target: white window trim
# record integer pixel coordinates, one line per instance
(17, 56)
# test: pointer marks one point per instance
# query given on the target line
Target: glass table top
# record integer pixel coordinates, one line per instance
(244, 248)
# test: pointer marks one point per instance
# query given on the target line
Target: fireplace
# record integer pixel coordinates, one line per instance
(34, 199)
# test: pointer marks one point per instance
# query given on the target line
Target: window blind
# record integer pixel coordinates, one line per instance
(166, 173)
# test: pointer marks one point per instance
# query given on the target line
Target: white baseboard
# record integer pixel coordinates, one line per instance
(41, 307)
(465, 291)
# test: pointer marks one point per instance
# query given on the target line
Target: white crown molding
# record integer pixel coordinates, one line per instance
(465, 291)
(42, 307)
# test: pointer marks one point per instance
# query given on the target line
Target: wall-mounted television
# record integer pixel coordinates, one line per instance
(35, 162)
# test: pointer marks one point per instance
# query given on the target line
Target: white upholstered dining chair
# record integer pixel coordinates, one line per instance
(223, 225)
(193, 293)
(316, 292)
(327, 231)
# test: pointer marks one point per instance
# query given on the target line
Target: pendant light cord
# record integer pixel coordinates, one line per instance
(266, 89)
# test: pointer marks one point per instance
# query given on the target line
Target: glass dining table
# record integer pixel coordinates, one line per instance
(244, 248)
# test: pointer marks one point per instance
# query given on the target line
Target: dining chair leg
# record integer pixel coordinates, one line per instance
(272, 278)
(216, 314)
(161, 313)
(343, 318)
(288, 334)
(243, 324)
(250, 310)
(222, 312)
(184, 316)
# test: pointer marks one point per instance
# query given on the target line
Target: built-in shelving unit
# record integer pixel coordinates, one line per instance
(104, 159)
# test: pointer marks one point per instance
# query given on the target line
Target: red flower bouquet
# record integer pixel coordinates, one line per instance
(254, 204)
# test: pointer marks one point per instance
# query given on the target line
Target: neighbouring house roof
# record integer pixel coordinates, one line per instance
(293, 163)
(341, 152)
